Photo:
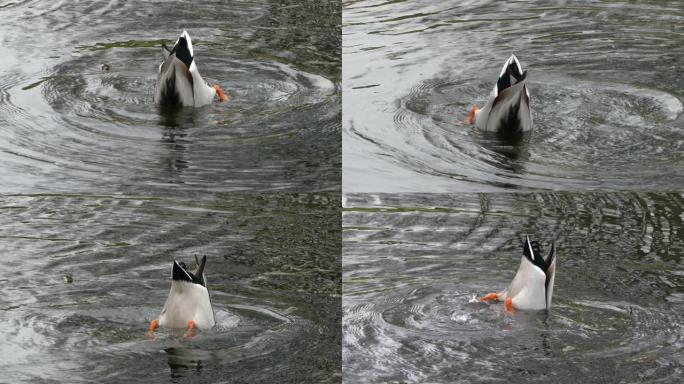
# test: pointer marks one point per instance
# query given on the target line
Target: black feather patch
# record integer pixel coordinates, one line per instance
(169, 94)
(533, 254)
(182, 274)
(548, 261)
(182, 52)
(511, 124)
(505, 81)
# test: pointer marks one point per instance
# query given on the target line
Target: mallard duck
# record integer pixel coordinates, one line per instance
(508, 107)
(179, 82)
(188, 304)
(532, 286)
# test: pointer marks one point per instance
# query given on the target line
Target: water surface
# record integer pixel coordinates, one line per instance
(101, 191)
(76, 97)
(412, 264)
(605, 81)
(82, 276)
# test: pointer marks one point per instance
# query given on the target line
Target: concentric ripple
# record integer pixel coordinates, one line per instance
(84, 275)
(586, 135)
(413, 264)
(607, 108)
(79, 112)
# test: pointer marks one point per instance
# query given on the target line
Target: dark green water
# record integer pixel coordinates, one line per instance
(413, 262)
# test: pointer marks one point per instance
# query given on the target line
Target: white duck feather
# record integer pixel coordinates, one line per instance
(508, 108)
(179, 81)
(532, 286)
(188, 299)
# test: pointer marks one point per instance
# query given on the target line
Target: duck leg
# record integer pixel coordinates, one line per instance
(490, 297)
(471, 114)
(508, 306)
(219, 93)
(190, 332)
(154, 324)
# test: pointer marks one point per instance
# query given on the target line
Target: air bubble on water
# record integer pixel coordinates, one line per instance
(460, 317)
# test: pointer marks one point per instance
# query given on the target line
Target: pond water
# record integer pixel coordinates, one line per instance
(412, 264)
(83, 275)
(101, 191)
(77, 84)
(605, 80)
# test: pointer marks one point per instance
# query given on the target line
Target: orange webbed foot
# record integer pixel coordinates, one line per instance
(220, 94)
(154, 324)
(471, 114)
(508, 306)
(190, 332)
(490, 297)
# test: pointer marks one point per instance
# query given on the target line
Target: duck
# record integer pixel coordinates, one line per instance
(179, 82)
(508, 108)
(532, 286)
(188, 304)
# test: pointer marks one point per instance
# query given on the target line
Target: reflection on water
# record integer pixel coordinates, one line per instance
(412, 264)
(182, 360)
(76, 98)
(607, 108)
(83, 275)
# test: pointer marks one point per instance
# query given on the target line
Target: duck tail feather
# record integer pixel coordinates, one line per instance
(166, 47)
(199, 272)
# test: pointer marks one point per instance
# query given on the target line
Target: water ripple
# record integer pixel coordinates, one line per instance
(79, 103)
(85, 274)
(414, 262)
(607, 108)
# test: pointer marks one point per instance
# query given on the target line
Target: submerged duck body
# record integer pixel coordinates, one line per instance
(532, 286)
(508, 108)
(179, 82)
(188, 303)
